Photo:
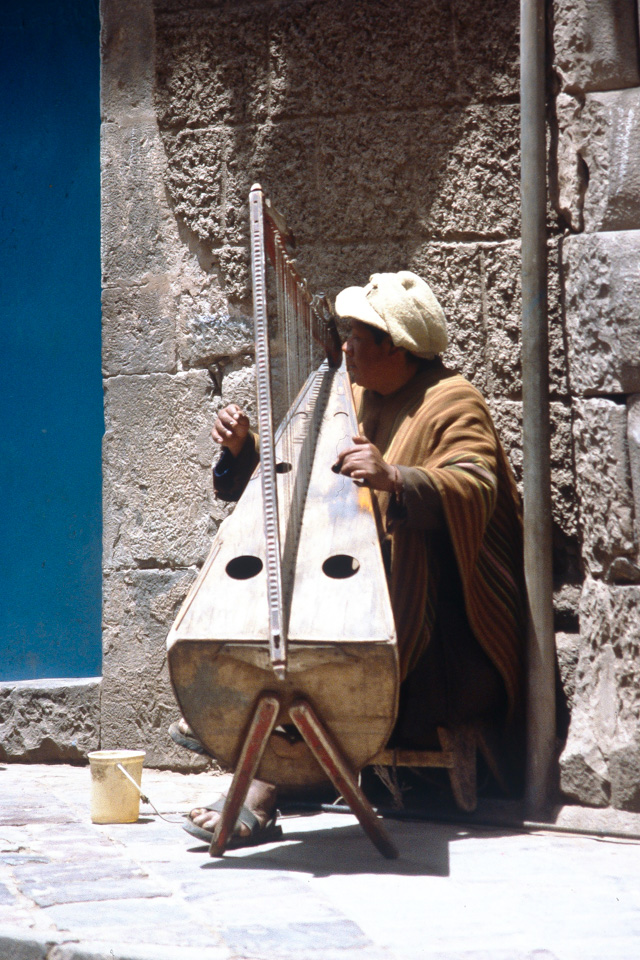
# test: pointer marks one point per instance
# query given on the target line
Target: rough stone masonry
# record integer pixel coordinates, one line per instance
(388, 134)
(596, 192)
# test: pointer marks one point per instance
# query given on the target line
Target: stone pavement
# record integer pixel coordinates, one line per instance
(71, 890)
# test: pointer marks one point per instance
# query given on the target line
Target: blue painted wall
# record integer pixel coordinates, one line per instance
(51, 420)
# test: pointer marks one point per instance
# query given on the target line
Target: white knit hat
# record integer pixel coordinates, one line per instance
(402, 305)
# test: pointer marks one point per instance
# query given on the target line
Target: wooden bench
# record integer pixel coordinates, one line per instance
(458, 755)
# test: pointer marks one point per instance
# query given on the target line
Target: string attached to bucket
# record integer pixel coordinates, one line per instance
(143, 796)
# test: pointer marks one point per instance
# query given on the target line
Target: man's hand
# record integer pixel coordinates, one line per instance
(364, 462)
(231, 428)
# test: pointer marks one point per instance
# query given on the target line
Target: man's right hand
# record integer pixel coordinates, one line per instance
(231, 428)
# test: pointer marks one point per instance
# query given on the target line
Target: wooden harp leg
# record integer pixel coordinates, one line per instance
(337, 769)
(263, 722)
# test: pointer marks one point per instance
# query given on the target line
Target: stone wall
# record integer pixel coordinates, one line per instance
(597, 193)
(388, 134)
(49, 721)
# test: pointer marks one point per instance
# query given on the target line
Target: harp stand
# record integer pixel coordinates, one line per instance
(326, 753)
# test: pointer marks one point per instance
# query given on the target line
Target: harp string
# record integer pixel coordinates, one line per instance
(302, 327)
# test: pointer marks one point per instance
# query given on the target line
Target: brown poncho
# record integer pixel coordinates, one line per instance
(438, 430)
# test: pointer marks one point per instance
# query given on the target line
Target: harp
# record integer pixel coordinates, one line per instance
(283, 657)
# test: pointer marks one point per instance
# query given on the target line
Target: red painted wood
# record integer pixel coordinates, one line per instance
(262, 724)
(337, 769)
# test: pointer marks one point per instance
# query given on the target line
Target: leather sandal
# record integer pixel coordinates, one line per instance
(257, 833)
(187, 740)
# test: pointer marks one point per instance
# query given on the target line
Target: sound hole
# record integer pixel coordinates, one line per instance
(340, 567)
(244, 568)
(283, 467)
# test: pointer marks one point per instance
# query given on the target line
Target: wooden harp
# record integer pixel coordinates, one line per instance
(292, 602)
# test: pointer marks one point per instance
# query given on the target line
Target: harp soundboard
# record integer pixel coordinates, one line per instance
(291, 607)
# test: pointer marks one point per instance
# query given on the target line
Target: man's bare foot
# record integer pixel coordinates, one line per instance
(261, 800)
(182, 734)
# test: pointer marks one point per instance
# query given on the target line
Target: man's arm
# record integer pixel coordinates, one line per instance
(239, 456)
(415, 499)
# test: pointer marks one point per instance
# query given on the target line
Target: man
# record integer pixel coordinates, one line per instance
(450, 515)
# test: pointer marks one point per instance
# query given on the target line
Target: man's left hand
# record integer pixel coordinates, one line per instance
(363, 462)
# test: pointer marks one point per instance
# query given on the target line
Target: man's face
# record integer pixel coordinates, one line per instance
(367, 361)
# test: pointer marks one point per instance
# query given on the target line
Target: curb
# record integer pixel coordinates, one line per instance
(18, 945)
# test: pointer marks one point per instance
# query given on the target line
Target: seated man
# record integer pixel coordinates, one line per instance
(450, 515)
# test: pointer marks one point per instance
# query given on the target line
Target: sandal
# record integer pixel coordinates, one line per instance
(187, 740)
(257, 833)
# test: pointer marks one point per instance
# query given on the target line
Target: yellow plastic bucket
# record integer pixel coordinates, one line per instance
(114, 799)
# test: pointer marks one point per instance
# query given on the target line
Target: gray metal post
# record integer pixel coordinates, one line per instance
(541, 721)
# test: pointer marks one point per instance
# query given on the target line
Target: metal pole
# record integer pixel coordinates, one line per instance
(541, 720)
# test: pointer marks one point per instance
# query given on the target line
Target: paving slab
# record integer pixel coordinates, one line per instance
(73, 890)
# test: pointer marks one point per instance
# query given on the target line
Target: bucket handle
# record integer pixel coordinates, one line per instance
(144, 798)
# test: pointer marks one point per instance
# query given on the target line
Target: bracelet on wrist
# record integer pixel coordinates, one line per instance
(398, 485)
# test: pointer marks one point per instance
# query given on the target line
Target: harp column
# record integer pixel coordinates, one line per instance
(277, 635)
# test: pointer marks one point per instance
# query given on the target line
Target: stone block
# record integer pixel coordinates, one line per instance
(478, 286)
(595, 44)
(328, 57)
(563, 470)
(603, 484)
(601, 759)
(139, 233)
(468, 173)
(633, 442)
(568, 183)
(23, 946)
(208, 337)
(239, 386)
(610, 149)
(567, 652)
(507, 417)
(447, 172)
(458, 276)
(345, 58)
(138, 703)
(157, 462)
(599, 160)
(338, 178)
(138, 327)
(602, 302)
(212, 66)
(211, 171)
(437, 171)
(49, 721)
(330, 267)
(154, 319)
(235, 270)
(558, 368)
(486, 42)
(624, 772)
(566, 604)
(127, 57)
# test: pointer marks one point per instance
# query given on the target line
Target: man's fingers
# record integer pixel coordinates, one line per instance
(227, 419)
(232, 422)
(338, 466)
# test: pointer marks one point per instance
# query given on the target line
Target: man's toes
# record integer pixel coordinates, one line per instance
(208, 820)
(200, 816)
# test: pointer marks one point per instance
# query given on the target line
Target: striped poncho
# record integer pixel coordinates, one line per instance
(439, 431)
